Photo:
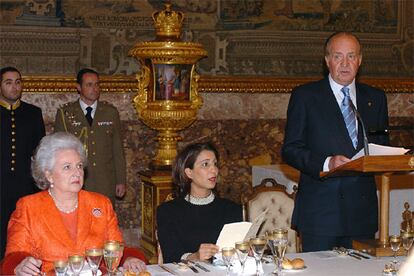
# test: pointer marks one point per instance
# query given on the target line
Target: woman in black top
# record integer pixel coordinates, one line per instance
(189, 225)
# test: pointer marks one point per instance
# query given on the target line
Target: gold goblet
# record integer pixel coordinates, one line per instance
(395, 243)
(61, 266)
(76, 263)
(407, 240)
(227, 254)
(242, 250)
(258, 246)
(94, 258)
(277, 242)
(113, 251)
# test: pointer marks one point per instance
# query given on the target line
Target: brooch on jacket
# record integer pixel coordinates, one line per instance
(96, 212)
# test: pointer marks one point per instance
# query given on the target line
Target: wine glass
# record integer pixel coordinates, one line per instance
(76, 263)
(94, 257)
(113, 251)
(61, 266)
(227, 254)
(242, 250)
(407, 240)
(395, 243)
(258, 246)
(278, 241)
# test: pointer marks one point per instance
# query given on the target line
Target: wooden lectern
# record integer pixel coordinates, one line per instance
(384, 166)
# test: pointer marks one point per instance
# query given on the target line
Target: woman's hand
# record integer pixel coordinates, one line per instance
(134, 265)
(205, 252)
(29, 266)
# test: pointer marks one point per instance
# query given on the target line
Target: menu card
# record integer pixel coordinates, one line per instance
(240, 231)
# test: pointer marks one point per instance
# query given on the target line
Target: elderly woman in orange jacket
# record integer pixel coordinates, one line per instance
(62, 219)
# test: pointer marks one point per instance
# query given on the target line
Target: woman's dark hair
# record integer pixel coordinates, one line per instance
(186, 159)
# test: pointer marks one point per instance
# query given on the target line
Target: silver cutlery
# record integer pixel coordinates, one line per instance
(187, 264)
(344, 251)
(167, 269)
(354, 256)
(199, 266)
(360, 255)
(350, 253)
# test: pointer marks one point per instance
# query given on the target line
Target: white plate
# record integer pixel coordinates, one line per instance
(295, 269)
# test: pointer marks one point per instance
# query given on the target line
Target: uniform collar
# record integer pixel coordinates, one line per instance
(83, 106)
(8, 106)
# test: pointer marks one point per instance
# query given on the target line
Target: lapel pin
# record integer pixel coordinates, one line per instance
(96, 212)
(369, 103)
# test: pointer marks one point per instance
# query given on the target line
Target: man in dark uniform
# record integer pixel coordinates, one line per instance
(21, 129)
(97, 125)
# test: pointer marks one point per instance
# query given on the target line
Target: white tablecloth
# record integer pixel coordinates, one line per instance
(324, 263)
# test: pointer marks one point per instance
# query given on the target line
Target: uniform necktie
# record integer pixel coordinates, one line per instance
(349, 116)
(89, 115)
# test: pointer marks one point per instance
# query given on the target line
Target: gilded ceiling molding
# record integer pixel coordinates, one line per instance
(207, 84)
(64, 84)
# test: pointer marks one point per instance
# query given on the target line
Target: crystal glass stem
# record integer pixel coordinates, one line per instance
(257, 266)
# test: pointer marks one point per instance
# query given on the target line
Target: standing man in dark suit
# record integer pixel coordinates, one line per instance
(97, 125)
(21, 129)
(321, 134)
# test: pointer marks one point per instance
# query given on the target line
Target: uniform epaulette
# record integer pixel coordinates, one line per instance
(63, 105)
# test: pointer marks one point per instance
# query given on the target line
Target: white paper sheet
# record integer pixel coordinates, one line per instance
(232, 233)
(239, 231)
(375, 149)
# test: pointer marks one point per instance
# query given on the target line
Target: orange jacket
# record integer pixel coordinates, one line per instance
(36, 228)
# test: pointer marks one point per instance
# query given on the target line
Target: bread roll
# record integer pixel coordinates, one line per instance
(144, 273)
(298, 263)
(287, 264)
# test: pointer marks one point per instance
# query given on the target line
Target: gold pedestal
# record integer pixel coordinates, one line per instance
(156, 187)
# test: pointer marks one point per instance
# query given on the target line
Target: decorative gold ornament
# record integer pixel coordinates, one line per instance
(167, 98)
(411, 162)
(168, 23)
(207, 84)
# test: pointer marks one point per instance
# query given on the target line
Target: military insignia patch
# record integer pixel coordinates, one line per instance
(104, 123)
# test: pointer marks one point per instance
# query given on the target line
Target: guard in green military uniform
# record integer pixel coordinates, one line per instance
(97, 125)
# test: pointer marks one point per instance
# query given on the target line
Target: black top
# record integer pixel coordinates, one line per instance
(183, 226)
(21, 129)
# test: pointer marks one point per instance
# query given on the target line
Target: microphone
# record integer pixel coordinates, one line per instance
(364, 133)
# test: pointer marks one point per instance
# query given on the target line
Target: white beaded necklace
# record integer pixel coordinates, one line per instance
(200, 200)
(60, 208)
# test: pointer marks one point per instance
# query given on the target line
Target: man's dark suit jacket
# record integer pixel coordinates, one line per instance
(337, 206)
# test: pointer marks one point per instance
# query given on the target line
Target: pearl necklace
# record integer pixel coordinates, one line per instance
(59, 208)
(200, 200)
